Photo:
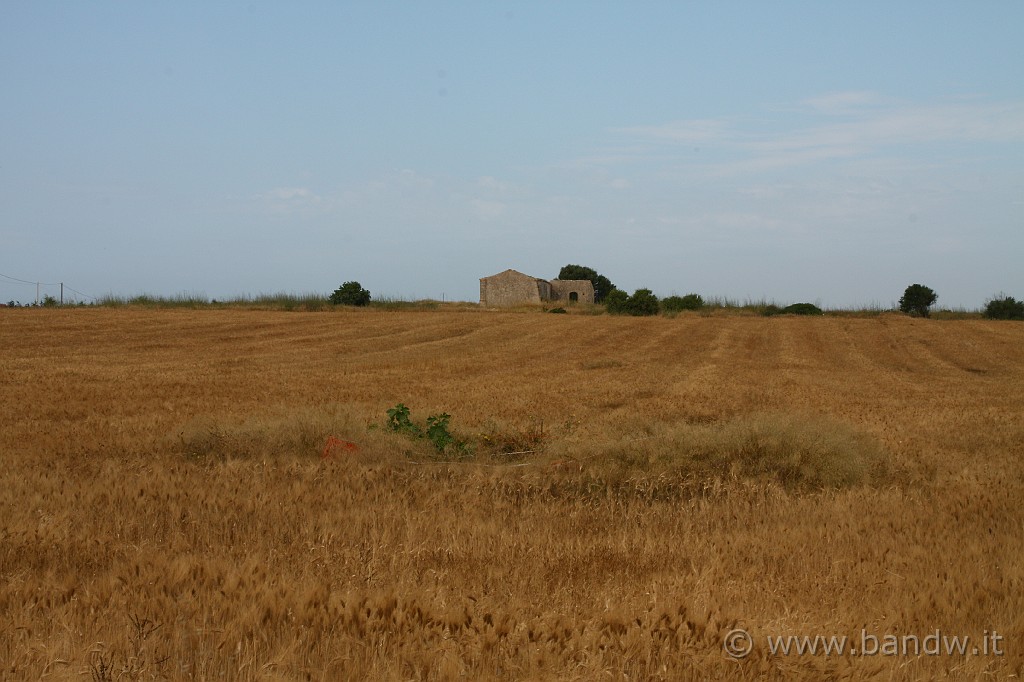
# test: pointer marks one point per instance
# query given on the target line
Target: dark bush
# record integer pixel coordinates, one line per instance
(558, 311)
(673, 304)
(802, 309)
(350, 293)
(693, 302)
(917, 300)
(1004, 308)
(616, 301)
(643, 302)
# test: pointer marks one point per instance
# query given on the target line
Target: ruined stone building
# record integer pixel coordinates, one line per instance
(514, 288)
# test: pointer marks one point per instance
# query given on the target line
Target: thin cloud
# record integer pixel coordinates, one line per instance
(909, 125)
(610, 156)
(292, 201)
(785, 158)
(869, 124)
(490, 183)
(698, 131)
(487, 210)
(290, 194)
(842, 102)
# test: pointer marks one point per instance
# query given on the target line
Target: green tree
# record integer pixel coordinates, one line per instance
(674, 304)
(917, 299)
(616, 301)
(1004, 307)
(350, 293)
(602, 285)
(642, 302)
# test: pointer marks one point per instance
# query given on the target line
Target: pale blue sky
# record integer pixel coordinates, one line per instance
(796, 151)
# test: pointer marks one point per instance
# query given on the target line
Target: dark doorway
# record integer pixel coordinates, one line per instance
(573, 297)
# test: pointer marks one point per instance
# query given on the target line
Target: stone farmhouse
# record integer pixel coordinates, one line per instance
(514, 288)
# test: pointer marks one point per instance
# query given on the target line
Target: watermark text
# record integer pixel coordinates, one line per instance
(740, 643)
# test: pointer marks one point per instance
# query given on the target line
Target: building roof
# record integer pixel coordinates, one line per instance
(516, 272)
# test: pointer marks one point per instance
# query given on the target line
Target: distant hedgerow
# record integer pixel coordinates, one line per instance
(794, 309)
(642, 302)
(802, 309)
(1004, 307)
(616, 301)
(672, 304)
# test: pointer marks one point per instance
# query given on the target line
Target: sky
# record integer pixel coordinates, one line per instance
(827, 152)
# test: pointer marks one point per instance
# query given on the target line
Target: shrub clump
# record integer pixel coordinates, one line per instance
(917, 300)
(615, 301)
(1004, 307)
(643, 302)
(794, 309)
(436, 431)
(674, 304)
(802, 309)
(350, 293)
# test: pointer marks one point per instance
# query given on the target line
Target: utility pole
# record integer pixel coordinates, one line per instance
(62, 293)
(37, 294)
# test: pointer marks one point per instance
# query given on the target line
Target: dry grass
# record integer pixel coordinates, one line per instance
(167, 514)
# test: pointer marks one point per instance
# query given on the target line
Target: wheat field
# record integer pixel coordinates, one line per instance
(630, 491)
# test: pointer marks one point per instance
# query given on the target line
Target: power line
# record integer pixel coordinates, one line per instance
(15, 280)
(79, 292)
(62, 285)
(25, 281)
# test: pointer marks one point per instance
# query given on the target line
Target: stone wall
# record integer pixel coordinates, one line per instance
(563, 289)
(510, 288)
(515, 288)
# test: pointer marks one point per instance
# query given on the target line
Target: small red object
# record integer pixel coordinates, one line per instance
(335, 444)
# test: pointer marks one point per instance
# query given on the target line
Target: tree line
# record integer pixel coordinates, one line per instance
(917, 300)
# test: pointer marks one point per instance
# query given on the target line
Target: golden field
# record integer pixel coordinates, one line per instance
(167, 513)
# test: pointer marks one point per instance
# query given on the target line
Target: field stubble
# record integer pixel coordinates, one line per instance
(167, 513)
